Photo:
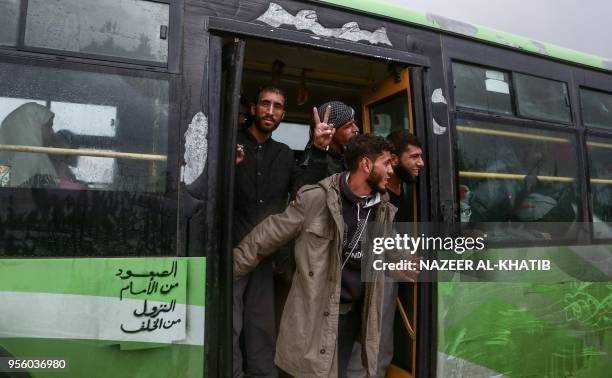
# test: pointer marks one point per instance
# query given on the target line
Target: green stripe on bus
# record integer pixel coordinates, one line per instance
(99, 277)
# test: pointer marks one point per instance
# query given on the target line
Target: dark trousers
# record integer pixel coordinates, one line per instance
(385, 352)
(253, 316)
(349, 327)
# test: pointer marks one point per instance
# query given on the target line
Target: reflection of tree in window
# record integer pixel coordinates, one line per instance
(122, 28)
(108, 47)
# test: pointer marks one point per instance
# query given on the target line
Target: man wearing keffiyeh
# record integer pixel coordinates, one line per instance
(333, 126)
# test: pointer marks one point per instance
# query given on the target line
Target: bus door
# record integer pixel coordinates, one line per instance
(224, 82)
(386, 108)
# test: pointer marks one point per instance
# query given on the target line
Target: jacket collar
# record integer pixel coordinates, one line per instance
(331, 185)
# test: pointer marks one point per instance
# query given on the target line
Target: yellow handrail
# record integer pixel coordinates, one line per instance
(599, 144)
(400, 307)
(512, 176)
(82, 152)
(601, 181)
(510, 134)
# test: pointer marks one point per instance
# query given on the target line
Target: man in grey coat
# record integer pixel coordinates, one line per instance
(329, 307)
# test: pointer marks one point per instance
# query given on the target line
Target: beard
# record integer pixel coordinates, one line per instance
(374, 181)
(260, 126)
(403, 174)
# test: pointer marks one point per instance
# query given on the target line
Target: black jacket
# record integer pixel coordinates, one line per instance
(315, 165)
(263, 182)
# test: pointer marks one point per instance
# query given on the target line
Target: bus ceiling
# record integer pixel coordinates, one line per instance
(311, 76)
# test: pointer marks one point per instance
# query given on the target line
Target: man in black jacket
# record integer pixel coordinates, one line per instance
(333, 126)
(264, 171)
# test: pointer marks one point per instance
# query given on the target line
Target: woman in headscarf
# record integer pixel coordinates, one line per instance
(28, 125)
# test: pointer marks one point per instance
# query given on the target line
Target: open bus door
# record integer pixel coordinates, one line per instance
(387, 108)
(221, 173)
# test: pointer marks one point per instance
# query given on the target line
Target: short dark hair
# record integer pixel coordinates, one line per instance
(273, 89)
(365, 145)
(402, 138)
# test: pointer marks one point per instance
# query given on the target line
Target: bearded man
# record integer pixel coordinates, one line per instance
(264, 174)
(329, 307)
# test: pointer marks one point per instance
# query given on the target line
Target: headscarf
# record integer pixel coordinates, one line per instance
(340, 113)
(28, 125)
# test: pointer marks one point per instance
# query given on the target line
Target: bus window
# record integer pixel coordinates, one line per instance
(102, 119)
(133, 29)
(482, 88)
(542, 98)
(390, 114)
(600, 168)
(84, 130)
(509, 173)
(294, 135)
(9, 18)
(596, 108)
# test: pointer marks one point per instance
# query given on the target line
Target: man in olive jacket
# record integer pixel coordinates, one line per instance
(327, 307)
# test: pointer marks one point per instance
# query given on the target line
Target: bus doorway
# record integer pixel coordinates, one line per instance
(388, 107)
(378, 90)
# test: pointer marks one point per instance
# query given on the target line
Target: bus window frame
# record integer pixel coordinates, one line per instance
(174, 143)
(597, 133)
(474, 53)
(531, 125)
(482, 111)
(175, 36)
(592, 127)
(515, 99)
(480, 54)
(513, 94)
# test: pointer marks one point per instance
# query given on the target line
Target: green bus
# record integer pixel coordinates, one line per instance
(117, 142)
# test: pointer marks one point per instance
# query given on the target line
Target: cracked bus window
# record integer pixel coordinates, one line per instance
(66, 129)
(600, 170)
(132, 29)
(482, 88)
(9, 22)
(596, 108)
(515, 174)
(542, 98)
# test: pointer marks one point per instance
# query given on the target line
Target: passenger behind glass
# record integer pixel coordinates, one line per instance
(28, 126)
(516, 200)
(66, 179)
(493, 200)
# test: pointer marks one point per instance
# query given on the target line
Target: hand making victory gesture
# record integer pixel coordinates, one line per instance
(323, 131)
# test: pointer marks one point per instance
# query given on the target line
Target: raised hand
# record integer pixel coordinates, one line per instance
(323, 131)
